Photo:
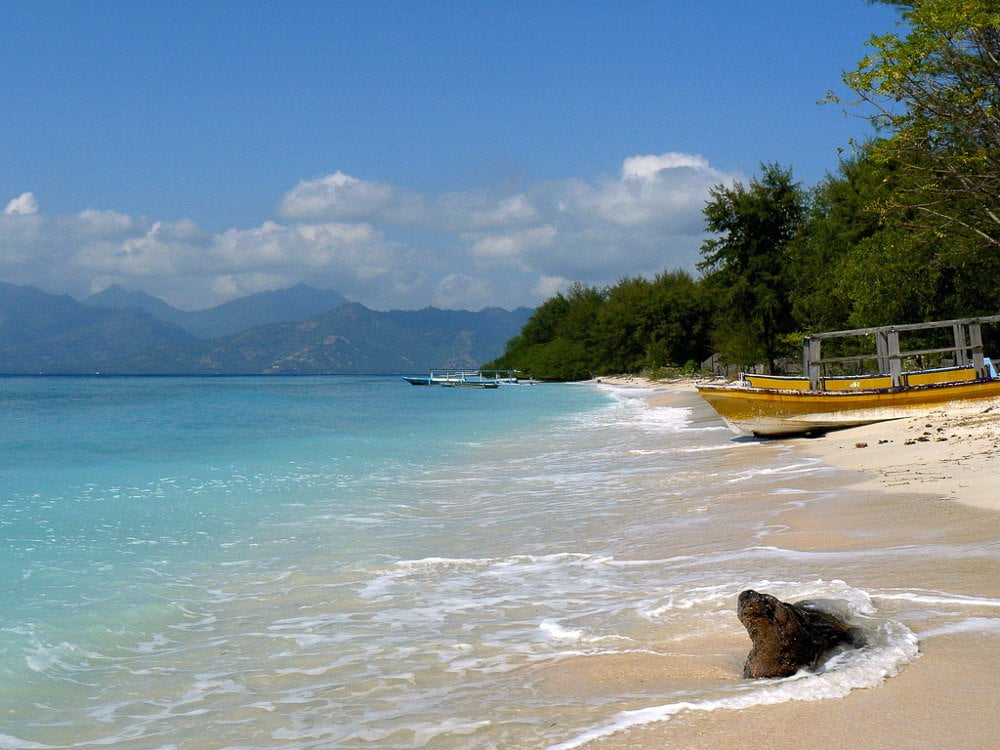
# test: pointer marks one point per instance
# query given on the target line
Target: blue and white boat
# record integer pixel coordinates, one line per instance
(469, 378)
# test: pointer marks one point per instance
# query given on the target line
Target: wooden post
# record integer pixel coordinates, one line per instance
(882, 352)
(811, 364)
(976, 341)
(895, 365)
(961, 355)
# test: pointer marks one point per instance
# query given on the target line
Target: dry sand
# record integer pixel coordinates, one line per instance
(904, 482)
(952, 452)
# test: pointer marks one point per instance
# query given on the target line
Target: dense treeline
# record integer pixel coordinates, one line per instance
(636, 325)
(908, 229)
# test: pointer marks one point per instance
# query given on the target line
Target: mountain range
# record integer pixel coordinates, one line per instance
(295, 303)
(300, 330)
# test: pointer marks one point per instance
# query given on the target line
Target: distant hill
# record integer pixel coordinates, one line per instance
(47, 333)
(295, 303)
(41, 332)
(349, 339)
(119, 298)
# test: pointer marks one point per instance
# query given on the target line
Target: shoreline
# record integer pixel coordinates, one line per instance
(930, 481)
(952, 452)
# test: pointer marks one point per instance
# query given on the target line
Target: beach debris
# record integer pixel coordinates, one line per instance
(861, 445)
(786, 636)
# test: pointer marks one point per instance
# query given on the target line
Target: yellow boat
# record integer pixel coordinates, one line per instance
(773, 405)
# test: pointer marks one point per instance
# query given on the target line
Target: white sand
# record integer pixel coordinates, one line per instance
(952, 453)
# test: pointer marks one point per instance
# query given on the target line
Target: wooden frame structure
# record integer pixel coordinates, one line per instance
(967, 350)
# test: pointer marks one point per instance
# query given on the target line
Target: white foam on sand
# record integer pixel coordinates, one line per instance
(970, 625)
(889, 645)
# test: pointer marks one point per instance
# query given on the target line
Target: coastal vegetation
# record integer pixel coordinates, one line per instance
(907, 230)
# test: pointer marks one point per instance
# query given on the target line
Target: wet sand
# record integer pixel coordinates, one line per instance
(931, 481)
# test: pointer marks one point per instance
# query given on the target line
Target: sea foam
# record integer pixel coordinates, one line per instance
(889, 645)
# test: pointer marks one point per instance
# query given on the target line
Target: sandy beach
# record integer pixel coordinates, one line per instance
(916, 481)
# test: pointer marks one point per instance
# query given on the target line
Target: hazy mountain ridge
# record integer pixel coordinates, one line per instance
(295, 303)
(44, 333)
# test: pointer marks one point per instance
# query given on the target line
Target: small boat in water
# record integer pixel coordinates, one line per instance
(469, 378)
(775, 405)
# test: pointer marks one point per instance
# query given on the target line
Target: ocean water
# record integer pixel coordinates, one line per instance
(355, 562)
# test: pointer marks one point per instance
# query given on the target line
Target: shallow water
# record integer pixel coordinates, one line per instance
(353, 562)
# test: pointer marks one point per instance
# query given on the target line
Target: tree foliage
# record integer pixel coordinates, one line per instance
(747, 262)
(636, 324)
(935, 95)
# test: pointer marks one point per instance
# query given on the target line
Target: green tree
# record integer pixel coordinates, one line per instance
(622, 327)
(557, 342)
(853, 264)
(545, 321)
(680, 312)
(747, 261)
(840, 216)
(935, 95)
(584, 307)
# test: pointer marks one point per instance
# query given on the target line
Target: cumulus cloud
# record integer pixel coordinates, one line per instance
(382, 244)
(650, 166)
(338, 196)
(25, 203)
(104, 222)
(549, 286)
(513, 245)
(457, 291)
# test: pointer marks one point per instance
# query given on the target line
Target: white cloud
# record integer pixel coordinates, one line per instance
(513, 244)
(25, 203)
(457, 291)
(104, 222)
(230, 286)
(384, 245)
(647, 167)
(548, 286)
(340, 197)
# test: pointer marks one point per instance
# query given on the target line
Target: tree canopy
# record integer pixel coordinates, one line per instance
(935, 95)
(747, 261)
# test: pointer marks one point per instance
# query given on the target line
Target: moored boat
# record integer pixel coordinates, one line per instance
(469, 378)
(773, 405)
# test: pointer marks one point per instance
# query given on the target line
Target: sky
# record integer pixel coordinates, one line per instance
(405, 153)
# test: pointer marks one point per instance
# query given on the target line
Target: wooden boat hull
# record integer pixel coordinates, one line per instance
(775, 412)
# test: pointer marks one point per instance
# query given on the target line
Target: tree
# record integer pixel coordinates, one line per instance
(935, 93)
(545, 321)
(747, 262)
(622, 325)
(680, 312)
(557, 342)
(843, 212)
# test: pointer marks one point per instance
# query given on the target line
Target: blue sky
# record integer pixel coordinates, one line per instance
(460, 154)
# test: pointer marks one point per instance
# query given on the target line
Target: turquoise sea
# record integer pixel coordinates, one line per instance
(354, 562)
